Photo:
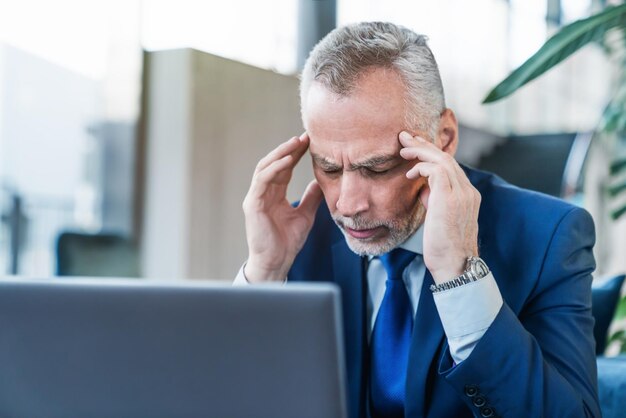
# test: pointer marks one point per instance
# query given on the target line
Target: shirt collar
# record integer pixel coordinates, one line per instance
(415, 243)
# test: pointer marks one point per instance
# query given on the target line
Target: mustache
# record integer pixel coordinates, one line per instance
(358, 222)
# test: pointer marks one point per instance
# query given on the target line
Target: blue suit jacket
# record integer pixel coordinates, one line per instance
(536, 360)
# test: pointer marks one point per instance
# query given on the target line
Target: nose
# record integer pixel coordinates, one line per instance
(353, 196)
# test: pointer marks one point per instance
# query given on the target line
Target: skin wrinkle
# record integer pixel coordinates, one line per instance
(374, 162)
(415, 100)
(376, 209)
(358, 197)
(343, 57)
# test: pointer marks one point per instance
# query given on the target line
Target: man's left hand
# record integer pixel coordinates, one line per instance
(452, 203)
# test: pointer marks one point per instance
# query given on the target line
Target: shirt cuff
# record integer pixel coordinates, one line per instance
(466, 312)
(242, 280)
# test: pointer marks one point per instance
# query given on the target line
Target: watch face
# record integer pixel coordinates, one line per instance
(478, 267)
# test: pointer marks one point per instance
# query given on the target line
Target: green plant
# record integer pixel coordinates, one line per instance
(619, 336)
(563, 44)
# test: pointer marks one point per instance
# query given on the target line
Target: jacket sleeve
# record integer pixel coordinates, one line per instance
(540, 363)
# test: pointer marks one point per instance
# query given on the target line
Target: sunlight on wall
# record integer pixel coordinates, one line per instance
(69, 33)
(261, 33)
(70, 75)
(478, 43)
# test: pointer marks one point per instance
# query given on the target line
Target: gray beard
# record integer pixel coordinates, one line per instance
(399, 231)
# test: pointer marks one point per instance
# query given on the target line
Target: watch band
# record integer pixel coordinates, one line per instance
(475, 269)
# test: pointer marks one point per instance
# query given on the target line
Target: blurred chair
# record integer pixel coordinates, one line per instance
(96, 255)
(605, 294)
(612, 386)
(535, 162)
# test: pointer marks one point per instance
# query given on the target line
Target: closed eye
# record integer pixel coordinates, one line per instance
(331, 171)
(368, 172)
(377, 171)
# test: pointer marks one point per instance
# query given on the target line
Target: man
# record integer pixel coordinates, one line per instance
(463, 295)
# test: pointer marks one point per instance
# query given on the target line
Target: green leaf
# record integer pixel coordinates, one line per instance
(560, 46)
(616, 214)
(617, 166)
(618, 336)
(615, 190)
(621, 308)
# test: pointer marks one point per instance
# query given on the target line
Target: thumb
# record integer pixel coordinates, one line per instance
(424, 194)
(311, 199)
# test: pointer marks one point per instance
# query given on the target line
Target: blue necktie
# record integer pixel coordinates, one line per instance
(391, 339)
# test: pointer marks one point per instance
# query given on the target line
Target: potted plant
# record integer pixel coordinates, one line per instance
(608, 28)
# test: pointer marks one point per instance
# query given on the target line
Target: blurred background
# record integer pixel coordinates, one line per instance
(129, 130)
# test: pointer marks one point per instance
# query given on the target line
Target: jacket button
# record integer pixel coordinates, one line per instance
(487, 412)
(479, 401)
(471, 390)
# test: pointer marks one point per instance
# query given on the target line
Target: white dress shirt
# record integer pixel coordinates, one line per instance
(466, 312)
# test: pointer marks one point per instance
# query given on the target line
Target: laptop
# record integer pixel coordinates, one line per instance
(114, 348)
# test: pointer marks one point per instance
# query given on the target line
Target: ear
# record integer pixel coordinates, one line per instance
(448, 133)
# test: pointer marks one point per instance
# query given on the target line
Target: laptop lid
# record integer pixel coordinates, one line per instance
(111, 348)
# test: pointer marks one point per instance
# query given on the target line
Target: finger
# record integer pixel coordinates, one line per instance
(301, 150)
(436, 174)
(262, 180)
(405, 137)
(458, 179)
(419, 148)
(311, 199)
(423, 195)
(408, 140)
(295, 156)
(445, 163)
(425, 151)
(463, 180)
(277, 153)
(471, 195)
(288, 147)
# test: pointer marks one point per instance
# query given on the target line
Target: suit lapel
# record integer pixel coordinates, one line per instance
(349, 273)
(426, 341)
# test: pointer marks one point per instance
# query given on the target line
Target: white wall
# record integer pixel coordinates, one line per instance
(164, 223)
(478, 43)
(46, 110)
(209, 120)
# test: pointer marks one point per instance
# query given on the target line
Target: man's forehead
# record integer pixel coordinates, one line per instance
(372, 159)
(363, 143)
(376, 102)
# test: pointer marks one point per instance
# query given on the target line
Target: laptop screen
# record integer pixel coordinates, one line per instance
(111, 348)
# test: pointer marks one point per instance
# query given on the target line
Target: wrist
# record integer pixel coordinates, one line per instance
(475, 269)
(454, 266)
(253, 273)
(452, 270)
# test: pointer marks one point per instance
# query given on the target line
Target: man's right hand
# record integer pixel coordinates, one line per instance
(275, 230)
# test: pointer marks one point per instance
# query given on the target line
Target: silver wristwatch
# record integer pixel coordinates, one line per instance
(475, 269)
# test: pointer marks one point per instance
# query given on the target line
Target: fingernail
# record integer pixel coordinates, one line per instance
(303, 135)
(405, 136)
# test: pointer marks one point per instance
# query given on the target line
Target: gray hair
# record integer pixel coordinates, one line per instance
(339, 59)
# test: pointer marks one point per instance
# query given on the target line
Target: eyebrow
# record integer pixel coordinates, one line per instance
(371, 162)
